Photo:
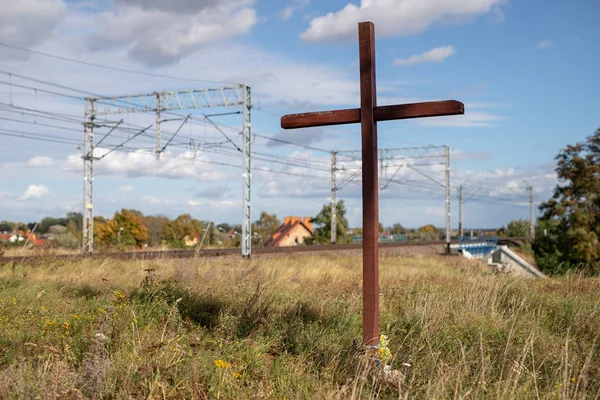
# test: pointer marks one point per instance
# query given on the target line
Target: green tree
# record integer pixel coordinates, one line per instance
(6, 226)
(47, 222)
(518, 228)
(397, 229)
(548, 255)
(265, 226)
(429, 228)
(133, 233)
(175, 231)
(74, 222)
(155, 226)
(322, 233)
(224, 227)
(573, 212)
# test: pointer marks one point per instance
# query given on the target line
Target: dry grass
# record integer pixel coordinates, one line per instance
(20, 251)
(284, 328)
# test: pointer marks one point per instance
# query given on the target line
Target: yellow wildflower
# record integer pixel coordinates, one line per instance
(236, 375)
(383, 351)
(221, 364)
(65, 328)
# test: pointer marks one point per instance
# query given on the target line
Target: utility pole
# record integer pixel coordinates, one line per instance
(333, 199)
(460, 205)
(158, 150)
(246, 173)
(87, 242)
(447, 199)
(531, 220)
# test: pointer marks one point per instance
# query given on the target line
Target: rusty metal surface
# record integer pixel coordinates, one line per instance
(419, 110)
(370, 186)
(321, 118)
(382, 113)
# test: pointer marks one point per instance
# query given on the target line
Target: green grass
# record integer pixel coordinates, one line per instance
(287, 328)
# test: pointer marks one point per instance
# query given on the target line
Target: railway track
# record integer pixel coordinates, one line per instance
(207, 253)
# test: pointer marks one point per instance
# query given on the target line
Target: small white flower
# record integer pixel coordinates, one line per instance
(101, 337)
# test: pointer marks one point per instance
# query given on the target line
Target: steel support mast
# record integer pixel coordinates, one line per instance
(460, 207)
(333, 198)
(246, 174)
(531, 214)
(158, 102)
(87, 242)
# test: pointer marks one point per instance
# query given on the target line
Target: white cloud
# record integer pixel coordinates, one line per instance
(35, 192)
(41, 161)
(193, 203)
(435, 211)
(165, 32)
(296, 5)
(435, 55)
(125, 188)
(470, 155)
(142, 163)
(29, 22)
(395, 17)
(544, 44)
(468, 119)
(287, 13)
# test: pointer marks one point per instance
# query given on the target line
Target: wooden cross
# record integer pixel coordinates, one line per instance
(368, 114)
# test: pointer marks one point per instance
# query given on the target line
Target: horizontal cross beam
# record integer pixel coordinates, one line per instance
(381, 113)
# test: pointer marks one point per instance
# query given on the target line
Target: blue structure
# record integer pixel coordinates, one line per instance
(401, 237)
(478, 246)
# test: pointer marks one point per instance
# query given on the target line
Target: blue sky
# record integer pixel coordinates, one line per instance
(525, 71)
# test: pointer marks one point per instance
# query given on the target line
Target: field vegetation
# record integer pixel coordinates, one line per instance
(287, 327)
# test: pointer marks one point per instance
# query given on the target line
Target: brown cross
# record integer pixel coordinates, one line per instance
(368, 114)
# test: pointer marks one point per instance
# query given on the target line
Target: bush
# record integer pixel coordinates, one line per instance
(518, 228)
(66, 241)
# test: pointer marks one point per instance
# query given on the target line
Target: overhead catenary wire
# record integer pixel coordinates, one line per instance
(108, 67)
(309, 164)
(64, 87)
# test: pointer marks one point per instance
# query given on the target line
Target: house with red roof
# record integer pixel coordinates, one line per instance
(292, 232)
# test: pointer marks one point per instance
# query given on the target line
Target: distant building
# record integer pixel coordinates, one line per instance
(21, 236)
(191, 241)
(292, 232)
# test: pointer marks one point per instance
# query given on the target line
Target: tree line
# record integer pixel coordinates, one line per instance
(568, 231)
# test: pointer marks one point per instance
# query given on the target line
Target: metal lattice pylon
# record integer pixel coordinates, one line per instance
(158, 102)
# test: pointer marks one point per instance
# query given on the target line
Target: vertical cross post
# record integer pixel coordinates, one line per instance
(448, 200)
(370, 187)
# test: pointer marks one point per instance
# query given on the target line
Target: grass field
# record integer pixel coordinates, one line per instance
(282, 327)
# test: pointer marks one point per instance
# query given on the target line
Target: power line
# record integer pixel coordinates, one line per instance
(118, 69)
(304, 146)
(292, 162)
(41, 124)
